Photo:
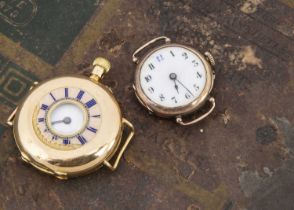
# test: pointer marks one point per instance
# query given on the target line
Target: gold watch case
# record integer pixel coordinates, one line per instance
(99, 151)
(177, 112)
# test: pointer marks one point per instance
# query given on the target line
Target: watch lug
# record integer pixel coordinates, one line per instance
(61, 176)
(108, 88)
(24, 158)
(11, 118)
(113, 166)
(210, 58)
(12, 115)
(179, 119)
(34, 85)
(148, 44)
(150, 112)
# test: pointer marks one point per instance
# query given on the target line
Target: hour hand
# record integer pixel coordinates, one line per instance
(66, 120)
(173, 77)
(176, 87)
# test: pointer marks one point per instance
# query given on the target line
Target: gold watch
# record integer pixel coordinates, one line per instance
(71, 125)
(174, 80)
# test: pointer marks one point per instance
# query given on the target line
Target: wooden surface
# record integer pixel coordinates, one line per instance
(239, 158)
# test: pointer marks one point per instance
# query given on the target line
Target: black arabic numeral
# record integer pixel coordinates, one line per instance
(196, 87)
(187, 95)
(195, 63)
(151, 89)
(198, 75)
(162, 98)
(174, 99)
(148, 78)
(185, 55)
(172, 53)
(160, 58)
(151, 66)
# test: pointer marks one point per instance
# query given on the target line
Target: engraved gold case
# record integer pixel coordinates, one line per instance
(162, 74)
(71, 125)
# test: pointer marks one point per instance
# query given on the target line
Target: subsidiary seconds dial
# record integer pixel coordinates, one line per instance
(172, 76)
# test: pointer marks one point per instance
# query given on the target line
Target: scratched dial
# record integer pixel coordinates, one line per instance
(173, 76)
(67, 118)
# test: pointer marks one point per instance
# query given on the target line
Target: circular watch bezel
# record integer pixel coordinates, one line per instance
(173, 111)
(78, 104)
(69, 163)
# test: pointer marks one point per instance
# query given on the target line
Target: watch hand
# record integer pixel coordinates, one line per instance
(176, 87)
(173, 77)
(55, 122)
(66, 120)
(184, 87)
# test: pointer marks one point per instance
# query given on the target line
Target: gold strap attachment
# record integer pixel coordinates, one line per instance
(11, 117)
(166, 39)
(181, 122)
(127, 141)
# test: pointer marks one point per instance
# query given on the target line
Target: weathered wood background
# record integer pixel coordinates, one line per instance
(239, 158)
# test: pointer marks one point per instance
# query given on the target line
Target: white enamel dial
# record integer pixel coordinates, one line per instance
(67, 117)
(173, 76)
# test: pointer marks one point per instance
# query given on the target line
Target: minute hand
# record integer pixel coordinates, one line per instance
(184, 87)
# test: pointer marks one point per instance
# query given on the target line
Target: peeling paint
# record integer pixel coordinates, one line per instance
(193, 207)
(248, 57)
(250, 6)
(243, 57)
(226, 117)
(288, 131)
(267, 171)
(250, 182)
(266, 134)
